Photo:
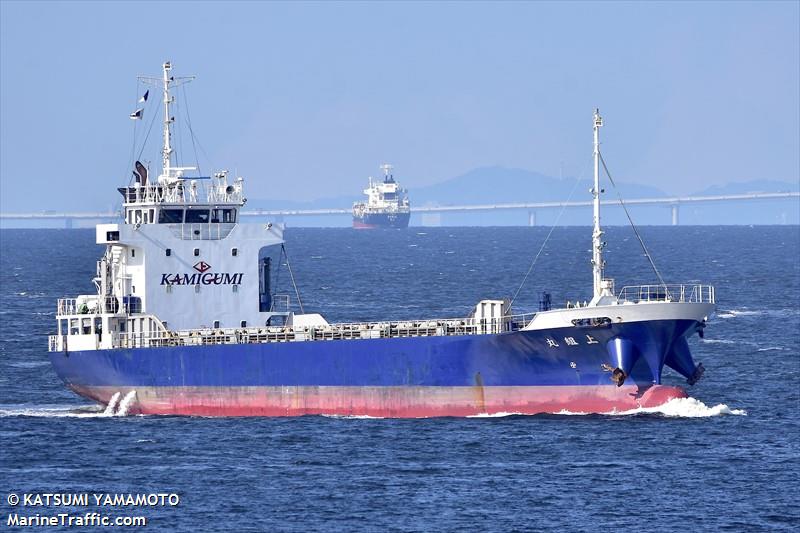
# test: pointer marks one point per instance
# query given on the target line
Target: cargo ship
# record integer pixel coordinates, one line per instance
(186, 320)
(387, 204)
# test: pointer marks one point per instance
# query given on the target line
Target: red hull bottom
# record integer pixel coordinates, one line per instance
(362, 225)
(385, 402)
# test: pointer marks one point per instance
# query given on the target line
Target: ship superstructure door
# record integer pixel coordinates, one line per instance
(264, 285)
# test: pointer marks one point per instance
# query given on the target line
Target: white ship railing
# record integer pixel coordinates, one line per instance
(183, 193)
(668, 293)
(92, 305)
(369, 330)
(343, 331)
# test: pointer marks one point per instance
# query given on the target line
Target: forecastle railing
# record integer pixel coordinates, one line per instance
(668, 293)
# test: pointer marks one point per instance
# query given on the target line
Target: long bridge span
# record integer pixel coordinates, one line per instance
(673, 201)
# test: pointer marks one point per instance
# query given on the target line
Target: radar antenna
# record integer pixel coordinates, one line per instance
(387, 172)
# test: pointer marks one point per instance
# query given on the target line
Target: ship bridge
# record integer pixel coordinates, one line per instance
(183, 200)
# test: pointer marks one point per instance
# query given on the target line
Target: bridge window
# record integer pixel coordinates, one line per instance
(223, 215)
(196, 216)
(234, 252)
(112, 235)
(170, 216)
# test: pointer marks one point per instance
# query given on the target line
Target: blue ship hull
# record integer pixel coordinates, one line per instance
(518, 371)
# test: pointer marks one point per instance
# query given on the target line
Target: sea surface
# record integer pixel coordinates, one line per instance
(726, 459)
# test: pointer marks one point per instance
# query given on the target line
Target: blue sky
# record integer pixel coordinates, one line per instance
(306, 99)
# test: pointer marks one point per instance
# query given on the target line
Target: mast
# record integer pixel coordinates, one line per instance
(597, 234)
(387, 170)
(167, 151)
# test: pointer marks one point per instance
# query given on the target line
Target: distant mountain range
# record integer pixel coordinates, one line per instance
(510, 185)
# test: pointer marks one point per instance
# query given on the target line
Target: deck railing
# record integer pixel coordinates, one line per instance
(343, 331)
(96, 304)
(373, 330)
(668, 293)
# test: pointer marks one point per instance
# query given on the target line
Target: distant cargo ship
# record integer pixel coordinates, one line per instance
(387, 204)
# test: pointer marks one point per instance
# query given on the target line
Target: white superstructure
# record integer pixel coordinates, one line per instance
(383, 197)
(178, 260)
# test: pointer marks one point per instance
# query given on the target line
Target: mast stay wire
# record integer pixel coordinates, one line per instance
(149, 129)
(291, 275)
(636, 231)
(135, 127)
(195, 141)
(178, 136)
(552, 228)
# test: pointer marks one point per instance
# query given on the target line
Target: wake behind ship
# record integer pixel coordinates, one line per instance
(387, 204)
(186, 320)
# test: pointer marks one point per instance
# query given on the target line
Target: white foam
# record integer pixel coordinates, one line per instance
(52, 411)
(73, 411)
(733, 313)
(684, 408)
(746, 312)
(494, 415)
(570, 413)
(125, 404)
(718, 341)
(677, 408)
(112, 404)
(29, 364)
